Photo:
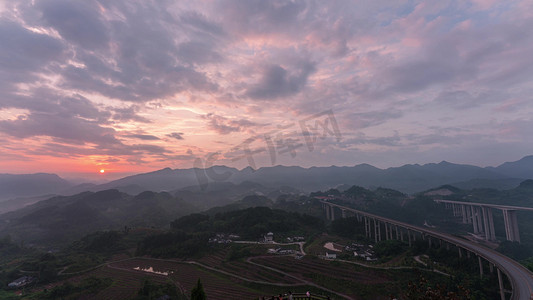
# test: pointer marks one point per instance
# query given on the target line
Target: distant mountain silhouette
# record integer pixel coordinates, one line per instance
(407, 179)
(522, 168)
(499, 184)
(526, 184)
(223, 193)
(27, 185)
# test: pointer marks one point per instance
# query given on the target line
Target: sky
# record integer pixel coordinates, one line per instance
(136, 86)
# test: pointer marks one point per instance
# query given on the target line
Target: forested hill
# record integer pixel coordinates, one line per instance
(61, 219)
(189, 235)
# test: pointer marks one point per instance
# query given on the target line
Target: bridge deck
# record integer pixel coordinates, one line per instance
(520, 277)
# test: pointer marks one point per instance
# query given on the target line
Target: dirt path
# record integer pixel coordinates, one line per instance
(418, 260)
(92, 268)
(302, 281)
(301, 244)
(203, 266)
(249, 260)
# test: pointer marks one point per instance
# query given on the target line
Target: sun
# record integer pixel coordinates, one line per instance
(102, 171)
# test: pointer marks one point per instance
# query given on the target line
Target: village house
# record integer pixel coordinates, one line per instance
(22, 281)
(269, 237)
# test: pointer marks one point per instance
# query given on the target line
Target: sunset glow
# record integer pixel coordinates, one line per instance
(147, 85)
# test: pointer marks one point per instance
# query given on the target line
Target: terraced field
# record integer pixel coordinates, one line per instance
(216, 287)
(234, 279)
(244, 269)
(125, 285)
(304, 267)
(215, 259)
(257, 273)
(185, 276)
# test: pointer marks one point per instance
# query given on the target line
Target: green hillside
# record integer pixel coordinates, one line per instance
(60, 220)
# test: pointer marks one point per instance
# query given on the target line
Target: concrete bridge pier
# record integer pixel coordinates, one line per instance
(511, 225)
(388, 231)
(480, 220)
(480, 266)
(488, 223)
(491, 225)
(367, 227)
(376, 230)
(468, 210)
(500, 283)
(474, 219)
(327, 208)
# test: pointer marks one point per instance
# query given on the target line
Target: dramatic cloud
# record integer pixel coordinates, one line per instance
(128, 114)
(69, 128)
(223, 125)
(77, 21)
(86, 84)
(277, 82)
(146, 137)
(176, 135)
(373, 118)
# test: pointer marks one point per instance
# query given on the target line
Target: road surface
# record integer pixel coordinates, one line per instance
(521, 278)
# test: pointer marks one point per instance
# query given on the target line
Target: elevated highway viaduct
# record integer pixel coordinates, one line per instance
(480, 216)
(521, 278)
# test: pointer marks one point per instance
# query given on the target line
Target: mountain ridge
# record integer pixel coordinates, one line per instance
(408, 178)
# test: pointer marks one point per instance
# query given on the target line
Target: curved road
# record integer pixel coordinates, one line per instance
(521, 278)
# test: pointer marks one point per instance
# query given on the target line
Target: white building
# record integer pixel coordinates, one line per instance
(22, 281)
(269, 237)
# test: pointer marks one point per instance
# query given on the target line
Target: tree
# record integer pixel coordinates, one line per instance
(389, 248)
(47, 271)
(514, 250)
(151, 290)
(197, 292)
(423, 291)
